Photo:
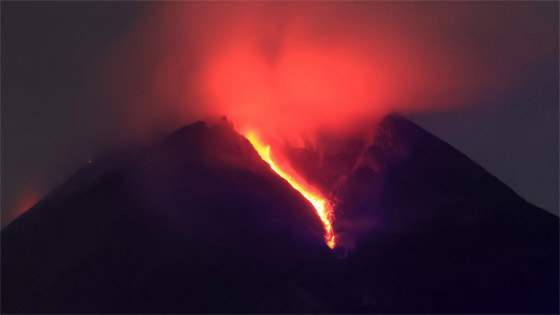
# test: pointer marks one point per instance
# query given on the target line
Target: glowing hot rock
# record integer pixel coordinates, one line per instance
(323, 208)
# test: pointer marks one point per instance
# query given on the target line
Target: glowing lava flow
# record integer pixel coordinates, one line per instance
(323, 208)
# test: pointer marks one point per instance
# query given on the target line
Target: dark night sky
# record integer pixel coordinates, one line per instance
(52, 123)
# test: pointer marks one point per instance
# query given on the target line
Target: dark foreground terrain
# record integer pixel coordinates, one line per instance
(198, 223)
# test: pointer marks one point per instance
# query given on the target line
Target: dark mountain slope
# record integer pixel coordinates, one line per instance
(198, 223)
(434, 232)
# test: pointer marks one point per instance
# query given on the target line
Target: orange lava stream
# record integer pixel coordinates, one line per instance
(322, 206)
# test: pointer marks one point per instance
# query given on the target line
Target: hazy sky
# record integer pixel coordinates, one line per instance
(54, 119)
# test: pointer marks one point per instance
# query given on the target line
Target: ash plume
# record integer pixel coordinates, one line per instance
(290, 69)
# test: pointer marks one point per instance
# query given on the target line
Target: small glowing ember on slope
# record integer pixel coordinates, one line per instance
(323, 208)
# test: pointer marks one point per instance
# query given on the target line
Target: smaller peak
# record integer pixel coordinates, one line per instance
(399, 135)
(395, 120)
(393, 116)
(396, 127)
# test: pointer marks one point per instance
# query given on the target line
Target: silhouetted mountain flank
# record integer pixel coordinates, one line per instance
(410, 179)
(434, 229)
(198, 223)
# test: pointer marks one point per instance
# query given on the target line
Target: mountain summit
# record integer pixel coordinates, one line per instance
(199, 223)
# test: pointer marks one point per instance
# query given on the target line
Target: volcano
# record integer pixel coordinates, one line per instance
(200, 223)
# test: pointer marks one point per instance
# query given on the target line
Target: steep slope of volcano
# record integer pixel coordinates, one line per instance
(434, 232)
(200, 223)
(197, 223)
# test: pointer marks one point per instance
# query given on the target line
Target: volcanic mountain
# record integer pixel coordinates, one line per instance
(199, 223)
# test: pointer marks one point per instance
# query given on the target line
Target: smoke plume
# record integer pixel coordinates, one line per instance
(289, 69)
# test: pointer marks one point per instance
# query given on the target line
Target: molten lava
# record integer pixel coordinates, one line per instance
(321, 204)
